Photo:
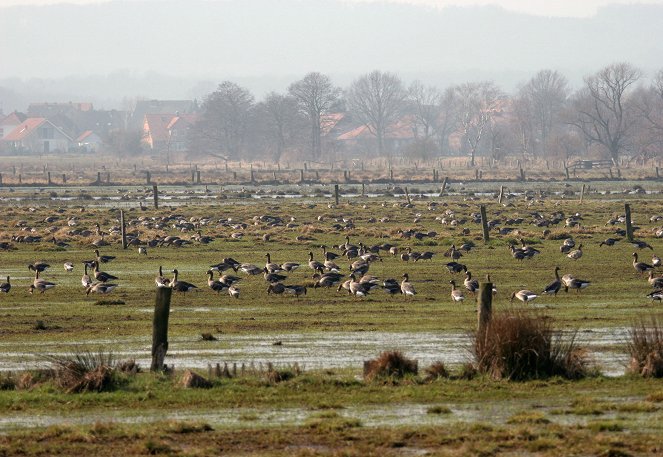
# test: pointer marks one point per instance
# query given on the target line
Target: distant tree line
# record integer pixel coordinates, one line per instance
(615, 114)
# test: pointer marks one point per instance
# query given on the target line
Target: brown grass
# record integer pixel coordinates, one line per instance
(645, 347)
(84, 372)
(389, 365)
(520, 345)
(437, 370)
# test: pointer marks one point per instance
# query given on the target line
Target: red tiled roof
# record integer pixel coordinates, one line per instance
(24, 129)
(84, 135)
(157, 126)
(329, 121)
(183, 120)
(401, 129)
(14, 118)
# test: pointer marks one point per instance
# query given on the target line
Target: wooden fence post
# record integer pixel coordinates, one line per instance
(123, 229)
(336, 193)
(49, 178)
(485, 306)
(444, 183)
(160, 328)
(155, 191)
(64, 178)
(484, 224)
(629, 225)
(197, 176)
(148, 178)
(98, 177)
(501, 196)
(582, 193)
(407, 196)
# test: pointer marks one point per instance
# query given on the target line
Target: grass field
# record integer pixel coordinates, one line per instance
(326, 410)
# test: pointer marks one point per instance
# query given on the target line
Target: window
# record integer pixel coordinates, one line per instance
(46, 133)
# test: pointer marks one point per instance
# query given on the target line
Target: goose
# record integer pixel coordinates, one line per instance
(656, 295)
(655, 281)
(250, 269)
(391, 286)
(100, 288)
(427, 255)
(494, 291)
(327, 280)
(641, 245)
(327, 255)
(216, 286)
(222, 266)
(524, 296)
(270, 266)
(272, 277)
(233, 291)
(103, 258)
(5, 287)
(229, 279)
(529, 251)
(454, 253)
(456, 294)
(295, 290)
(181, 286)
(275, 288)
(68, 266)
(407, 288)
(455, 267)
(640, 267)
(554, 286)
(405, 256)
(85, 279)
(516, 253)
(330, 265)
(160, 280)
(577, 284)
(314, 264)
(358, 289)
(471, 284)
(609, 241)
(38, 267)
(289, 266)
(655, 261)
(567, 245)
(576, 253)
(101, 275)
(142, 250)
(40, 284)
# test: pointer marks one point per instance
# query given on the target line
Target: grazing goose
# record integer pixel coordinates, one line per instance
(142, 250)
(641, 245)
(427, 255)
(100, 288)
(85, 279)
(229, 279)
(68, 266)
(216, 286)
(40, 284)
(273, 277)
(609, 241)
(471, 284)
(524, 296)
(275, 288)
(407, 288)
(455, 267)
(271, 266)
(103, 258)
(554, 286)
(250, 269)
(359, 267)
(5, 287)
(160, 280)
(575, 254)
(38, 266)
(567, 245)
(289, 266)
(327, 280)
(656, 295)
(640, 267)
(181, 286)
(327, 255)
(391, 286)
(655, 281)
(655, 261)
(517, 253)
(295, 290)
(314, 264)
(456, 294)
(576, 284)
(358, 289)
(233, 291)
(101, 275)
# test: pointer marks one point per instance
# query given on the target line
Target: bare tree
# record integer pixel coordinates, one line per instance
(478, 103)
(316, 96)
(603, 112)
(280, 122)
(447, 122)
(425, 102)
(538, 108)
(224, 120)
(377, 100)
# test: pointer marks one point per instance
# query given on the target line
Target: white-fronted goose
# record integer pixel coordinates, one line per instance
(68, 266)
(290, 266)
(5, 287)
(160, 280)
(85, 279)
(655, 281)
(40, 284)
(391, 286)
(655, 261)
(101, 275)
(38, 266)
(295, 290)
(327, 280)
(471, 284)
(216, 286)
(656, 295)
(576, 253)
(457, 295)
(407, 288)
(276, 288)
(233, 291)
(314, 264)
(577, 284)
(524, 296)
(100, 288)
(181, 286)
(250, 269)
(358, 289)
(103, 258)
(640, 267)
(273, 277)
(455, 267)
(554, 286)
(271, 266)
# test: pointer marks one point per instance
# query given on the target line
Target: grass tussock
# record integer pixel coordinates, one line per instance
(645, 346)
(520, 345)
(437, 370)
(85, 372)
(389, 365)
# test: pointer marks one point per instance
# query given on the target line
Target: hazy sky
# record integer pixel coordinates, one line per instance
(572, 8)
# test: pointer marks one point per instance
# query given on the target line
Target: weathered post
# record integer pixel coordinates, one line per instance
(234, 176)
(98, 177)
(485, 308)
(484, 224)
(336, 193)
(434, 175)
(160, 328)
(198, 176)
(301, 174)
(501, 196)
(253, 179)
(476, 174)
(444, 183)
(657, 173)
(108, 177)
(123, 229)
(20, 179)
(155, 191)
(193, 176)
(363, 189)
(148, 178)
(0, 179)
(582, 193)
(48, 174)
(522, 174)
(391, 174)
(629, 225)
(407, 196)
(64, 178)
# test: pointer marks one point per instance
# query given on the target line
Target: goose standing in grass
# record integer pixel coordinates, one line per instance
(233, 291)
(328, 255)
(655, 281)
(68, 266)
(640, 267)
(356, 288)
(457, 295)
(215, 285)
(391, 286)
(641, 244)
(471, 285)
(289, 266)
(160, 280)
(576, 253)
(38, 267)
(555, 286)
(295, 290)
(5, 287)
(103, 258)
(40, 284)
(656, 295)
(273, 277)
(327, 280)
(524, 296)
(271, 266)
(100, 288)
(577, 284)
(275, 288)
(314, 265)
(142, 250)
(455, 267)
(655, 261)
(85, 279)
(407, 288)
(181, 286)
(250, 269)
(609, 241)
(101, 275)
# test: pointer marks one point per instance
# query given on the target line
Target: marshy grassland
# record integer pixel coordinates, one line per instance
(319, 404)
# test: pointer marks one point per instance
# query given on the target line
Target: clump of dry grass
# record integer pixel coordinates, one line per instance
(191, 380)
(437, 370)
(645, 347)
(520, 345)
(84, 372)
(389, 365)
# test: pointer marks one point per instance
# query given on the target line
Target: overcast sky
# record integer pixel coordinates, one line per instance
(571, 8)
